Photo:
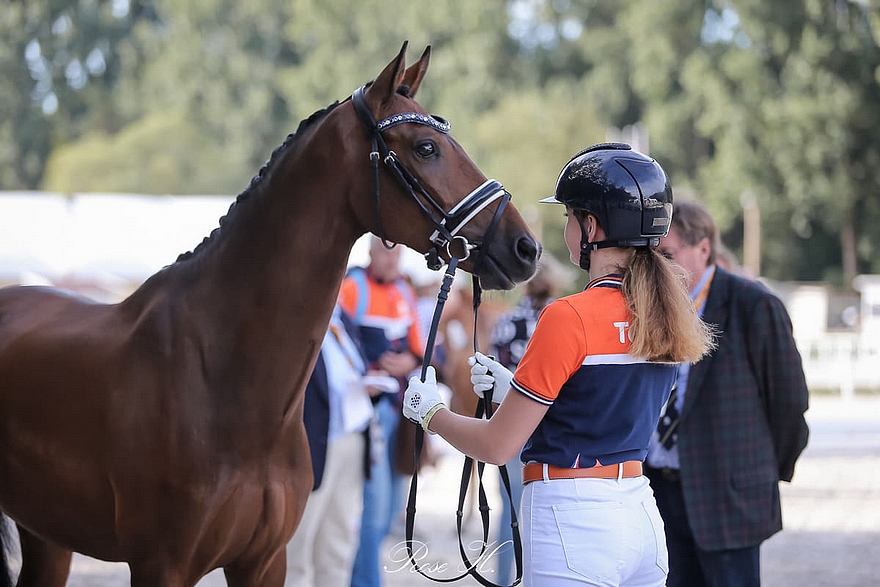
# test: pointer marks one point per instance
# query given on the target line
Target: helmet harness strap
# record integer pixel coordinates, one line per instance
(588, 247)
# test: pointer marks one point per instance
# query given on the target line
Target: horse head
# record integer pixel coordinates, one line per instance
(461, 212)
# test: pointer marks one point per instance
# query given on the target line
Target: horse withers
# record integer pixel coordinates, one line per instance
(166, 430)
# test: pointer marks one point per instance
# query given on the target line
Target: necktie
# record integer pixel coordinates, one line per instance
(668, 425)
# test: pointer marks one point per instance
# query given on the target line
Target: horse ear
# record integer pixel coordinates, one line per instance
(391, 77)
(416, 72)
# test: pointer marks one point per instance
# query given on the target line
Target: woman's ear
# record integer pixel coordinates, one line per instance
(595, 232)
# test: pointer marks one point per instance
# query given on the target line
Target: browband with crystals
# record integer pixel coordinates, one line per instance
(435, 122)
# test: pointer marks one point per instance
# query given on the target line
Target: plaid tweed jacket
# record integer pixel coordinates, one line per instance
(742, 423)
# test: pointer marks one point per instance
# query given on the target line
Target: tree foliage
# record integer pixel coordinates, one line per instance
(801, 84)
(743, 100)
(746, 101)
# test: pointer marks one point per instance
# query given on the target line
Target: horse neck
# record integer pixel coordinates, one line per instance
(257, 299)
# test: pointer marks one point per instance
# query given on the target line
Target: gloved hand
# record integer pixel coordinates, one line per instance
(422, 399)
(489, 374)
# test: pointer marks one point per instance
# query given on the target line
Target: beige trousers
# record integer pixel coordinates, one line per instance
(322, 550)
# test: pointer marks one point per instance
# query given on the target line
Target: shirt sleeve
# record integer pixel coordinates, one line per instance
(555, 352)
(781, 381)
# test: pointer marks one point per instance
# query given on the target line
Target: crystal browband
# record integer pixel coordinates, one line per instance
(434, 122)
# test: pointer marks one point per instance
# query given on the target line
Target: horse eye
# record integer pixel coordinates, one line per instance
(426, 149)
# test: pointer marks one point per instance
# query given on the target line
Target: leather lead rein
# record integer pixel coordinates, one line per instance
(484, 408)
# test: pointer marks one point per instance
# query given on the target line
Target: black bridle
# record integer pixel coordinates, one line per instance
(457, 248)
(447, 224)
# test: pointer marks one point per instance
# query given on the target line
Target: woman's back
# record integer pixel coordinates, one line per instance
(604, 402)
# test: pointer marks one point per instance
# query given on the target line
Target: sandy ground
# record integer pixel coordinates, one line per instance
(831, 513)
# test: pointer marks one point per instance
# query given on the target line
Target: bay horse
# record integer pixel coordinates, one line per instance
(165, 431)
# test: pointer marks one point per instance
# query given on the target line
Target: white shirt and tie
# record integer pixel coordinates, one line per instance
(665, 455)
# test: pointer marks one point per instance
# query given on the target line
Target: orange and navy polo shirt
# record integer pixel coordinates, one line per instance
(603, 402)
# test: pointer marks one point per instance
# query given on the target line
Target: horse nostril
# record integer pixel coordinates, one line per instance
(528, 250)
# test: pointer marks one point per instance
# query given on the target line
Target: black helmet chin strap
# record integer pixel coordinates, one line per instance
(587, 247)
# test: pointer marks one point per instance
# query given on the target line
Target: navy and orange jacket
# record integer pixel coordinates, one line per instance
(385, 312)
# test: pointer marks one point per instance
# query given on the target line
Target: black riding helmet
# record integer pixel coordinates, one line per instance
(627, 191)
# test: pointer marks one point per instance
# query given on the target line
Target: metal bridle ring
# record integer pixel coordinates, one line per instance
(465, 246)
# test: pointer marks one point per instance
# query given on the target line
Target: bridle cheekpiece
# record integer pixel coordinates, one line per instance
(445, 236)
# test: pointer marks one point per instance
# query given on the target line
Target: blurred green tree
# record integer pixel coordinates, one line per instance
(788, 101)
(59, 64)
(244, 74)
(742, 100)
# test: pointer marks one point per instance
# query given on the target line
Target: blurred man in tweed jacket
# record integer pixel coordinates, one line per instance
(735, 424)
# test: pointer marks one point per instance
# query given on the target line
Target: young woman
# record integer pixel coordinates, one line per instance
(589, 390)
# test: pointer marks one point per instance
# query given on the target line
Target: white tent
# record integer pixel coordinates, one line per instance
(99, 235)
(112, 238)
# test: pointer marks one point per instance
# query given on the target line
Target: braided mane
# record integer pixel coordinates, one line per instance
(255, 182)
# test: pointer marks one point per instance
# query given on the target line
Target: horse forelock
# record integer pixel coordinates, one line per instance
(256, 182)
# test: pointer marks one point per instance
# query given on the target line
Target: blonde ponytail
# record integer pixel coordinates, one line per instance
(664, 325)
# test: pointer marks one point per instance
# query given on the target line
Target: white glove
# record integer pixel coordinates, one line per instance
(489, 374)
(422, 399)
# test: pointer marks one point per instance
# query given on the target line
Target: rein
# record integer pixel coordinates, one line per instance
(484, 408)
(445, 237)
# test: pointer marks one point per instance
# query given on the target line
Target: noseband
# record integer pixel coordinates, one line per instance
(446, 224)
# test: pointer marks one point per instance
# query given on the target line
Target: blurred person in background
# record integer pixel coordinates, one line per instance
(337, 414)
(382, 303)
(734, 425)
